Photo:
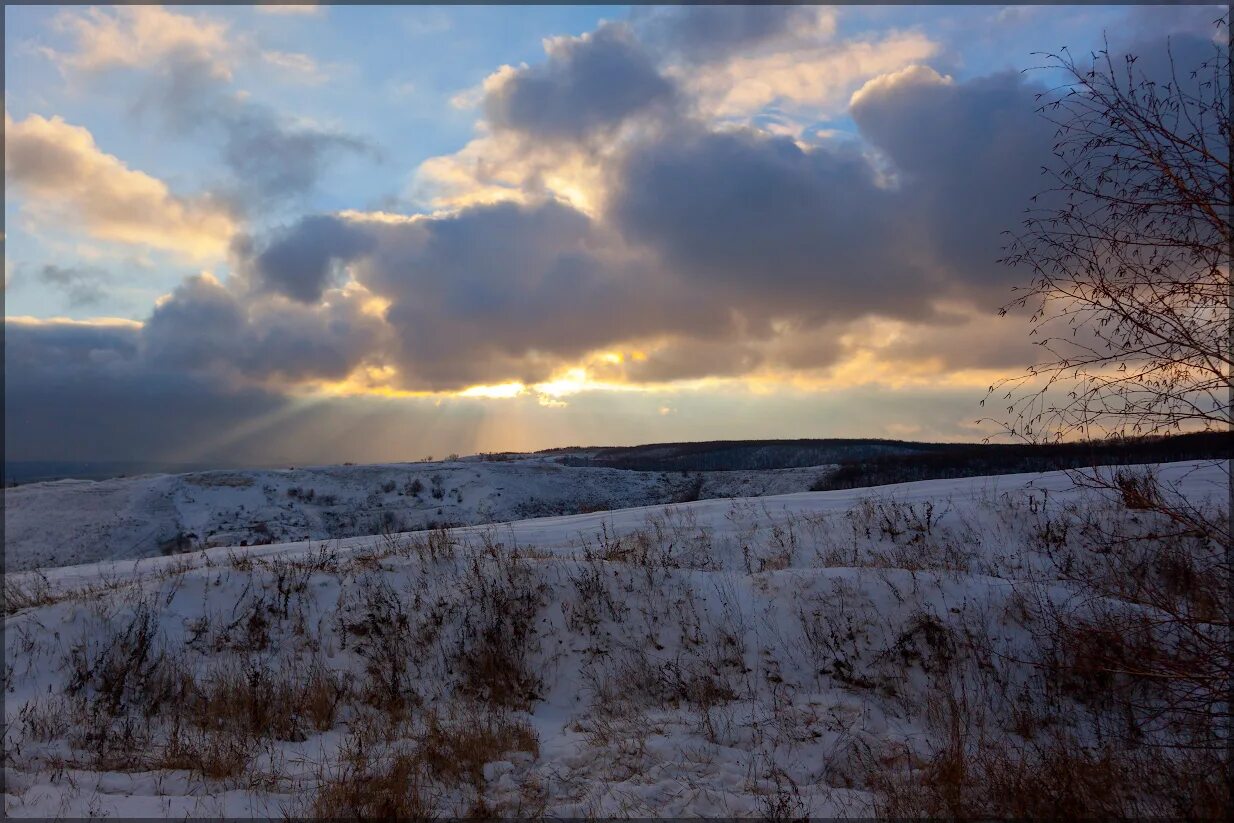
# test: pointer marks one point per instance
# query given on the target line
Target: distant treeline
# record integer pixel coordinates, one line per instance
(871, 461)
(974, 460)
(735, 455)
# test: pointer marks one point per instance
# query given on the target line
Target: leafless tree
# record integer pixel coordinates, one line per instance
(1129, 250)
(1130, 253)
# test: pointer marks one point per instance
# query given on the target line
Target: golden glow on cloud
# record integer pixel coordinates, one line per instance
(916, 75)
(389, 218)
(819, 78)
(113, 322)
(496, 168)
(501, 390)
(62, 176)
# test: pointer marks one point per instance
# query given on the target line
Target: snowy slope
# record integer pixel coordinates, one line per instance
(721, 657)
(80, 521)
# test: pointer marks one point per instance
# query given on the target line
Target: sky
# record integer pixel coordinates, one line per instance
(313, 234)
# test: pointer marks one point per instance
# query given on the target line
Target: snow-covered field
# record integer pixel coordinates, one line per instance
(781, 656)
(83, 521)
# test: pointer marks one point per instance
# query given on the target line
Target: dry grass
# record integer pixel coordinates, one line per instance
(27, 592)
(363, 787)
(442, 763)
(1105, 703)
(456, 748)
(1057, 778)
(283, 704)
(133, 705)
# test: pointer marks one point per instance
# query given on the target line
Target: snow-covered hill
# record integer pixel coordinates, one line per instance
(80, 521)
(786, 656)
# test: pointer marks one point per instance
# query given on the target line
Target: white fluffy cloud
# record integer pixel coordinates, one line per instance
(141, 36)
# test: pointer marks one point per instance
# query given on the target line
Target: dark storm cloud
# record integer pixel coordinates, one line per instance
(745, 245)
(702, 34)
(779, 230)
(968, 159)
(587, 84)
(65, 346)
(303, 260)
(83, 391)
(205, 326)
(508, 291)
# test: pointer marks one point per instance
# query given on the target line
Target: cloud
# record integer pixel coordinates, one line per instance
(713, 251)
(304, 260)
(204, 326)
(82, 287)
(271, 158)
(297, 65)
(704, 34)
(813, 80)
(68, 344)
(309, 9)
(188, 64)
(83, 391)
(735, 251)
(1152, 22)
(588, 83)
(685, 359)
(141, 37)
(968, 159)
(504, 167)
(608, 225)
(553, 127)
(62, 175)
(77, 390)
(507, 292)
(808, 231)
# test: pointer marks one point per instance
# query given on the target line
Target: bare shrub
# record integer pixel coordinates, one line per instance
(131, 671)
(497, 635)
(784, 801)
(382, 630)
(1139, 489)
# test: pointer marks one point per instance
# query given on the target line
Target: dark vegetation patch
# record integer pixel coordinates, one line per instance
(872, 462)
(935, 461)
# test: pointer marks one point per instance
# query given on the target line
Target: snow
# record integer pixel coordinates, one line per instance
(758, 599)
(70, 522)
